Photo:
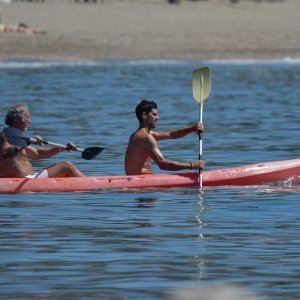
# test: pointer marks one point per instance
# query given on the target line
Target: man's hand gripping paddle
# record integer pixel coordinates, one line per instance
(87, 153)
(201, 90)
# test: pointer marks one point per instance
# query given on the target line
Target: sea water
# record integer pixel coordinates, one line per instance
(143, 244)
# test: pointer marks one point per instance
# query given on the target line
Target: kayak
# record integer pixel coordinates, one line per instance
(254, 174)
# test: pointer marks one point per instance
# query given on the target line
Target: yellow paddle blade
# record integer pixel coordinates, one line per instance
(201, 84)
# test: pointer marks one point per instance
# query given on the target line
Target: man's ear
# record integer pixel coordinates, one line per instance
(144, 115)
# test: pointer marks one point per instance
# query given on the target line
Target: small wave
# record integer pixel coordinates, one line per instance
(284, 60)
(35, 64)
(32, 64)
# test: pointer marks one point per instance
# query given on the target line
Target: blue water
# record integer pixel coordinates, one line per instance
(144, 244)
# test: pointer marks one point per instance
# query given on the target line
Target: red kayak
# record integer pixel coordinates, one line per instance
(255, 174)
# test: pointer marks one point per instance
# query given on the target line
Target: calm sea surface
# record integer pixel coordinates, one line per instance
(143, 244)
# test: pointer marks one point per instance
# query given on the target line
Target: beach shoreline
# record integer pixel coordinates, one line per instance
(120, 30)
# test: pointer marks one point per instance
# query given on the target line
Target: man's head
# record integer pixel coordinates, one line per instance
(18, 116)
(145, 106)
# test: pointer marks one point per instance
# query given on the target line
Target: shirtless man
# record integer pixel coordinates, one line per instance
(142, 146)
(11, 164)
(15, 152)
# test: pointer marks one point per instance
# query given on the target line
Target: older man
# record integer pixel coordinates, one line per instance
(16, 152)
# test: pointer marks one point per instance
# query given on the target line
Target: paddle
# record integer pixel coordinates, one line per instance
(201, 90)
(88, 153)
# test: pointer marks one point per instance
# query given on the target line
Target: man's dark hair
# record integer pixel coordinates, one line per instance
(144, 106)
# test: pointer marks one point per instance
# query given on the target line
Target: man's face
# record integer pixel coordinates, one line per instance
(152, 117)
(23, 123)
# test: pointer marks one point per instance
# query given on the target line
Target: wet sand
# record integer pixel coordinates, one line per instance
(153, 29)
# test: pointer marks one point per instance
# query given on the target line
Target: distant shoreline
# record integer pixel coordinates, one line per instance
(117, 30)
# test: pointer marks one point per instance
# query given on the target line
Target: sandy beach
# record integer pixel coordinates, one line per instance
(153, 29)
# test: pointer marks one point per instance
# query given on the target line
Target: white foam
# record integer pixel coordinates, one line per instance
(284, 60)
(35, 64)
(42, 64)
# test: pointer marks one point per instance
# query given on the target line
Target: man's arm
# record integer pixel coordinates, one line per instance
(169, 165)
(41, 153)
(178, 133)
(12, 151)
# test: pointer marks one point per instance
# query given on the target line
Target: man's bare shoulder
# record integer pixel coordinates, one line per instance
(141, 134)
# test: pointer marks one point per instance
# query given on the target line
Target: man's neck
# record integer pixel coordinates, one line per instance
(145, 128)
(17, 127)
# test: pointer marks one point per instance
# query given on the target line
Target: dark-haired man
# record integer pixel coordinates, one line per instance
(142, 146)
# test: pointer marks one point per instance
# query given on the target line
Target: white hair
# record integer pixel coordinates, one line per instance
(15, 112)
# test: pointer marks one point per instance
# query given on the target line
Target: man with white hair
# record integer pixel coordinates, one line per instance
(17, 150)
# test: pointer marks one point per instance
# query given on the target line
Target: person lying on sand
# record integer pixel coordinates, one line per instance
(21, 27)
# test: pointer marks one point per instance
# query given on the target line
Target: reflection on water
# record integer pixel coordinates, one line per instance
(201, 225)
(211, 293)
(142, 244)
